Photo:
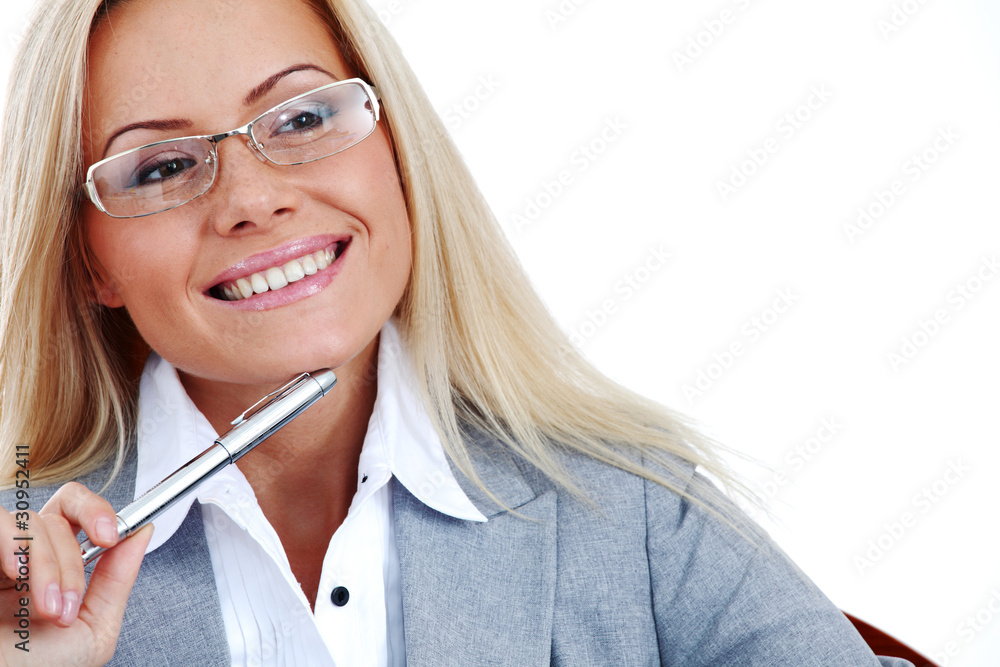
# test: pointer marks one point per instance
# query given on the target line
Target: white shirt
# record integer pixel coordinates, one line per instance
(267, 616)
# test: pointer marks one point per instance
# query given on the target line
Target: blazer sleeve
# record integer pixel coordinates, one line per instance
(721, 599)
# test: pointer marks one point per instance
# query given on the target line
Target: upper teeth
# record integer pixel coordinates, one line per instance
(277, 277)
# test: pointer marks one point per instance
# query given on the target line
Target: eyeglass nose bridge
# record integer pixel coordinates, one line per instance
(250, 142)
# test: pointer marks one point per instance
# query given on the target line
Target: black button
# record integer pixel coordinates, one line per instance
(340, 596)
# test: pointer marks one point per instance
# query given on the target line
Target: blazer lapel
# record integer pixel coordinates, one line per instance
(174, 616)
(478, 593)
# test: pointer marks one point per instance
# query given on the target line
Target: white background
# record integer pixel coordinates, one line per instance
(890, 506)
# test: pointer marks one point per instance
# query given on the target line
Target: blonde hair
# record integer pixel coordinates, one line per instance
(67, 394)
(488, 353)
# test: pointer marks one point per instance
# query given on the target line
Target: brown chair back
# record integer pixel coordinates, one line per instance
(887, 645)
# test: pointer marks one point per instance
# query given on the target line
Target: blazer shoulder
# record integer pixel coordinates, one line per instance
(597, 486)
(724, 593)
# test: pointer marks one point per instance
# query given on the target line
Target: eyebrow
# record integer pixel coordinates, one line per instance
(253, 96)
(171, 124)
(272, 81)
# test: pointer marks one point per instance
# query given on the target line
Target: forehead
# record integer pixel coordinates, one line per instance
(150, 59)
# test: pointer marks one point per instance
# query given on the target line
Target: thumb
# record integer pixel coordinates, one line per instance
(110, 584)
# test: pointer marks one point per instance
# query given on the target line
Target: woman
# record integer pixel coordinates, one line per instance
(472, 492)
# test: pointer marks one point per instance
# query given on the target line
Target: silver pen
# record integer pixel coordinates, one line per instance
(250, 429)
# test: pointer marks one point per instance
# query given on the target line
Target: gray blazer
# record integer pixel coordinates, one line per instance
(645, 579)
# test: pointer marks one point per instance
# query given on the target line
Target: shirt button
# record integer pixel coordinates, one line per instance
(340, 596)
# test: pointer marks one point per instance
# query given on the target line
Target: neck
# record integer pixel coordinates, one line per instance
(312, 462)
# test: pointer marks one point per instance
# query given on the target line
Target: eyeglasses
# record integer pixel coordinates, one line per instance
(163, 175)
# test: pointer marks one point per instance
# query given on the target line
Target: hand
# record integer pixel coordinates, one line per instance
(64, 625)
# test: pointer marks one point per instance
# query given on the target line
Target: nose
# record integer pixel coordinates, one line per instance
(249, 194)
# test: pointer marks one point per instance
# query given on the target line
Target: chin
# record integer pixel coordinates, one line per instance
(294, 357)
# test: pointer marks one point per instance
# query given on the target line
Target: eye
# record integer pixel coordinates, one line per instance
(162, 168)
(306, 119)
(303, 121)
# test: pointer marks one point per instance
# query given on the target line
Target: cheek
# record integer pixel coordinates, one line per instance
(397, 253)
(364, 184)
(131, 260)
(385, 191)
(394, 239)
(102, 248)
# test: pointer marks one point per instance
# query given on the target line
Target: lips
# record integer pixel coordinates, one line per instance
(278, 276)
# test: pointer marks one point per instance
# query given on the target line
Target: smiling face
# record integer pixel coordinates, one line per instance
(191, 67)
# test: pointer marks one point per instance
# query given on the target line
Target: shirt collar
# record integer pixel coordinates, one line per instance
(401, 440)
(401, 428)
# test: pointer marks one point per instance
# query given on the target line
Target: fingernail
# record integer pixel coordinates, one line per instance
(106, 529)
(70, 607)
(53, 599)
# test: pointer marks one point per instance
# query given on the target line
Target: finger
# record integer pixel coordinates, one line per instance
(110, 584)
(8, 550)
(84, 508)
(70, 567)
(39, 558)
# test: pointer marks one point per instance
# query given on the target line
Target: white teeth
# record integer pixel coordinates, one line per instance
(245, 288)
(259, 283)
(321, 259)
(276, 277)
(293, 271)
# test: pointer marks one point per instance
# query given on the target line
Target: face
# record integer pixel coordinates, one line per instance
(190, 67)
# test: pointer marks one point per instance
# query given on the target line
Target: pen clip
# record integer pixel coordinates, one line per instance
(267, 400)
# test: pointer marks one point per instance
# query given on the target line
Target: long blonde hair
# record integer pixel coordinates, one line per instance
(489, 354)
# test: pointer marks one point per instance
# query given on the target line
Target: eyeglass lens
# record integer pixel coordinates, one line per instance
(166, 174)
